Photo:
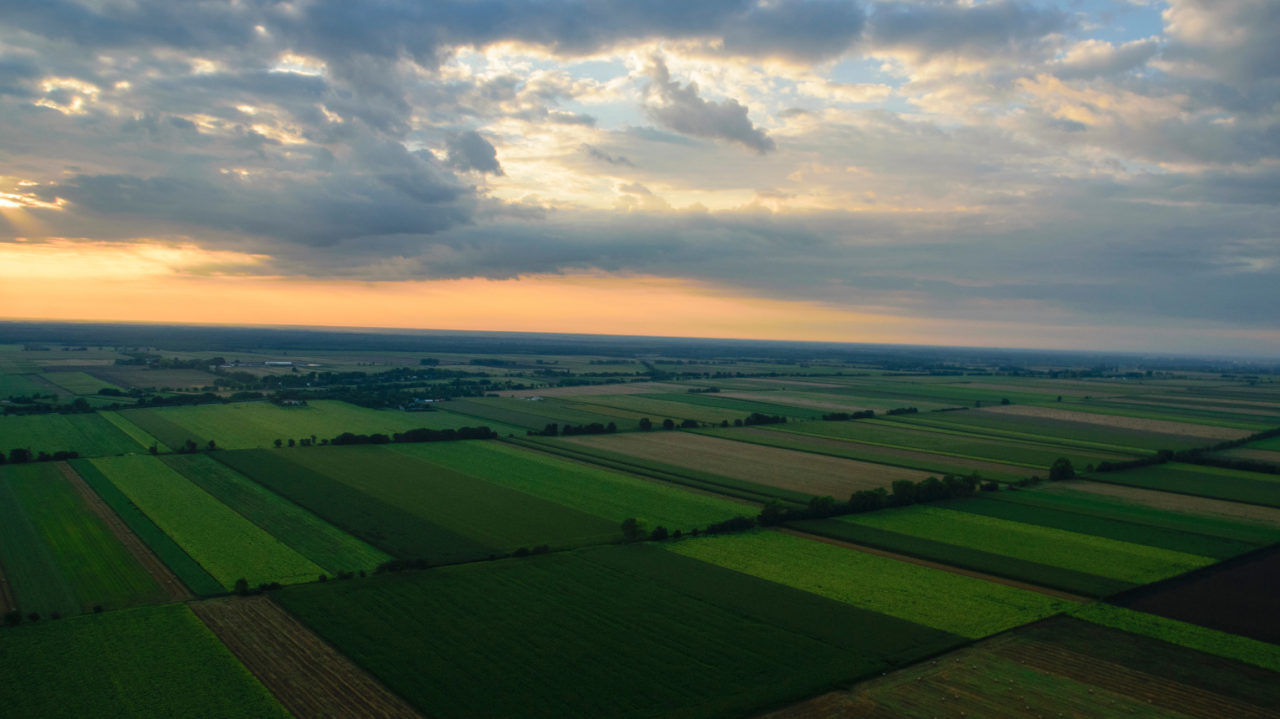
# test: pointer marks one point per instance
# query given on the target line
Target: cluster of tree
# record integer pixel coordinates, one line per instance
(950, 409)
(415, 435)
(613, 361)
(110, 392)
(593, 428)
(1204, 456)
(758, 418)
(903, 410)
(525, 551)
(21, 455)
(190, 447)
(243, 589)
(481, 362)
(400, 565)
(429, 362)
(1061, 469)
(703, 390)
(905, 492)
(846, 416)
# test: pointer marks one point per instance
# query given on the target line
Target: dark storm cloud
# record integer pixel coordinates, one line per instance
(682, 110)
(469, 151)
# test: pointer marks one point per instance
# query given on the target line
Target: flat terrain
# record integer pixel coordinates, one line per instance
(1211, 482)
(1154, 499)
(306, 675)
(1111, 420)
(153, 661)
(88, 434)
(797, 471)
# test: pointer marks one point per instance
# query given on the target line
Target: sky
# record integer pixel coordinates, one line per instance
(1080, 174)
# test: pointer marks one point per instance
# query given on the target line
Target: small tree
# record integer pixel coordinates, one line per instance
(646, 424)
(34, 617)
(279, 443)
(635, 530)
(212, 445)
(242, 586)
(12, 618)
(292, 443)
(824, 504)
(904, 493)
(1004, 401)
(772, 512)
(668, 424)
(191, 446)
(611, 428)
(737, 423)
(724, 423)
(659, 533)
(153, 449)
(1061, 469)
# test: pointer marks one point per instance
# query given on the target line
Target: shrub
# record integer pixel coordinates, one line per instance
(659, 533)
(689, 424)
(1061, 469)
(635, 530)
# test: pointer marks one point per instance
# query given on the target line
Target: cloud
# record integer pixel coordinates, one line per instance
(947, 28)
(469, 151)
(1094, 58)
(599, 154)
(680, 109)
(1236, 41)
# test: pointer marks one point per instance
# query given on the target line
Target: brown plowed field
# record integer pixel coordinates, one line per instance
(307, 676)
(1110, 420)
(1058, 668)
(160, 571)
(594, 389)
(798, 471)
(1202, 506)
(902, 453)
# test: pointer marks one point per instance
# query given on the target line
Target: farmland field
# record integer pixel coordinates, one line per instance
(88, 434)
(78, 382)
(157, 425)
(135, 432)
(1211, 641)
(1027, 454)
(1272, 444)
(95, 565)
(568, 636)
(1207, 432)
(1062, 667)
(613, 496)
(1212, 482)
(1101, 556)
(660, 409)
(312, 537)
(1053, 431)
(797, 471)
(1263, 518)
(152, 661)
(494, 516)
(533, 415)
(226, 544)
(953, 603)
(162, 545)
(36, 581)
(738, 408)
(382, 525)
(16, 385)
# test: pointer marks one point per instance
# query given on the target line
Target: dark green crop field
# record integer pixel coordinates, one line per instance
(597, 633)
(1199, 544)
(94, 563)
(382, 525)
(187, 569)
(153, 661)
(310, 536)
(162, 428)
(88, 434)
(1200, 481)
(738, 409)
(1054, 430)
(37, 582)
(500, 518)
(534, 415)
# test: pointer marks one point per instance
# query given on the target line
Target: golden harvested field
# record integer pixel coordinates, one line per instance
(797, 471)
(1203, 506)
(1110, 420)
(595, 389)
(307, 676)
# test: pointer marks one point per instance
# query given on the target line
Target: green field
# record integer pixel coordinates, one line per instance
(37, 582)
(1010, 452)
(138, 434)
(226, 544)
(1100, 556)
(88, 434)
(1053, 430)
(312, 537)
(382, 525)
(165, 431)
(16, 385)
(94, 563)
(1042, 575)
(1272, 444)
(613, 496)
(153, 661)
(658, 407)
(1247, 650)
(741, 408)
(533, 415)
(1212, 482)
(953, 603)
(1133, 532)
(497, 517)
(609, 632)
(179, 562)
(78, 382)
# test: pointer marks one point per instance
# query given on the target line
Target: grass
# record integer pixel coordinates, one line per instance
(961, 605)
(382, 525)
(37, 582)
(88, 434)
(1250, 651)
(226, 544)
(136, 433)
(1100, 556)
(609, 495)
(310, 536)
(1200, 481)
(179, 562)
(97, 567)
(497, 517)
(246, 425)
(153, 661)
(1096, 505)
(78, 382)
(1043, 575)
(1136, 533)
(1037, 456)
(565, 636)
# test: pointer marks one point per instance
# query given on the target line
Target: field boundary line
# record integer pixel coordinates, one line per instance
(159, 571)
(307, 675)
(1056, 594)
